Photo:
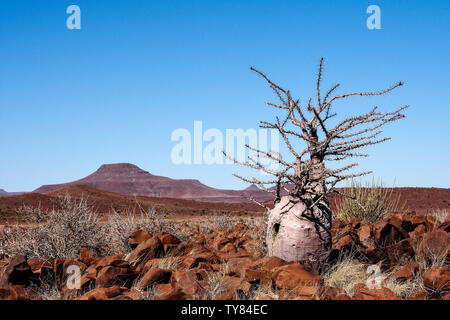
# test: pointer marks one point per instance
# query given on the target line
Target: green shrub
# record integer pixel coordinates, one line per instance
(368, 202)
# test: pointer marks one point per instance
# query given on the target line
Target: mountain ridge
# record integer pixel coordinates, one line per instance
(129, 179)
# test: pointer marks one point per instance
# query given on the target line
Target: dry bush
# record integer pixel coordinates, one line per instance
(217, 222)
(118, 227)
(369, 202)
(61, 232)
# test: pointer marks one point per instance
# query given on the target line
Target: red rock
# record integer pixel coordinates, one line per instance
(251, 275)
(88, 278)
(365, 233)
(396, 220)
(43, 267)
(149, 249)
(421, 295)
(435, 245)
(134, 294)
(168, 291)
(445, 226)
(226, 256)
(346, 241)
(113, 261)
(236, 284)
(375, 255)
(412, 221)
(219, 242)
(408, 271)
(193, 260)
(327, 293)
(386, 234)
(188, 282)
(270, 263)
(110, 276)
(437, 279)
(137, 237)
(364, 293)
(103, 293)
(154, 276)
(418, 232)
(17, 292)
(301, 292)
(87, 256)
(167, 238)
(266, 265)
(16, 271)
(201, 274)
(293, 275)
(235, 265)
(342, 296)
(398, 250)
(205, 266)
(4, 292)
(228, 248)
(446, 297)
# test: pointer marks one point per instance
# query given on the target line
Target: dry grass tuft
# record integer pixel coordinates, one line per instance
(168, 263)
(345, 274)
(440, 216)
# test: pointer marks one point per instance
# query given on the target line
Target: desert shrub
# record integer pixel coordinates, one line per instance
(218, 221)
(118, 227)
(60, 232)
(369, 202)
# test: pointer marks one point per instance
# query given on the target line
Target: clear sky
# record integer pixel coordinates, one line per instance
(114, 91)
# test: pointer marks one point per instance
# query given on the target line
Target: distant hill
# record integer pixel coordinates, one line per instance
(4, 193)
(128, 179)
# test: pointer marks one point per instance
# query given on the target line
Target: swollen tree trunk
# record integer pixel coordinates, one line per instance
(293, 234)
(299, 228)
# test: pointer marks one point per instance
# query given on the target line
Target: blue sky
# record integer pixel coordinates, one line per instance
(114, 91)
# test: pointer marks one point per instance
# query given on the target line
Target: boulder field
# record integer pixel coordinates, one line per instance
(230, 264)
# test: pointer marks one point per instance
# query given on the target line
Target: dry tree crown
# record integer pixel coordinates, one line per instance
(307, 179)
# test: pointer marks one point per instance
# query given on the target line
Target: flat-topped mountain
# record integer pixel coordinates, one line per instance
(129, 179)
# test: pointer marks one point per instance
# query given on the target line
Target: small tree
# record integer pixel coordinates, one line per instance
(299, 226)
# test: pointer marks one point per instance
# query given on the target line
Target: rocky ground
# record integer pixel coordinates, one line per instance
(411, 252)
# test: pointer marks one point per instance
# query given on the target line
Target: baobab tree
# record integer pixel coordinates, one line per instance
(299, 225)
